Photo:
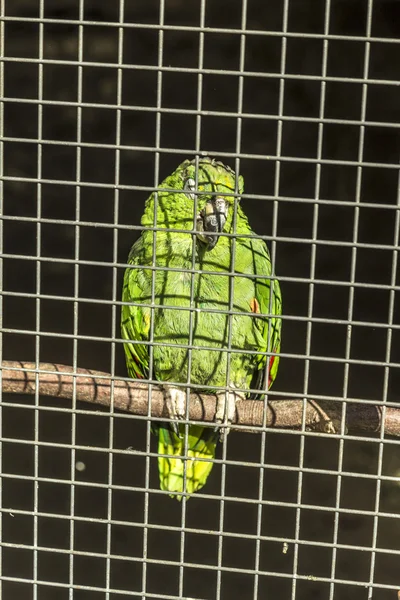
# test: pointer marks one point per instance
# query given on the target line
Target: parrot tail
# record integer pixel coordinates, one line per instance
(201, 443)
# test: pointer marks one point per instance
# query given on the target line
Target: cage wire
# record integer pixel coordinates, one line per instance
(100, 101)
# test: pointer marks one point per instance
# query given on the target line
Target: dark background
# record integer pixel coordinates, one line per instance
(299, 220)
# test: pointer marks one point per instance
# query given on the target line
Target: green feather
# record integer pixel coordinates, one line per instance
(188, 474)
(206, 295)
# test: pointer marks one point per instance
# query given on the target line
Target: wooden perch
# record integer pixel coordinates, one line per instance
(95, 387)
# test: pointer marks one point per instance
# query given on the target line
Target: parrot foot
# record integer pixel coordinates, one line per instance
(176, 406)
(225, 411)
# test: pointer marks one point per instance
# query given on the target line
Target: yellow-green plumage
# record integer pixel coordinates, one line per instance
(201, 442)
(186, 274)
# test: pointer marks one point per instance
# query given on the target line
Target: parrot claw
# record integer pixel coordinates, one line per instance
(175, 428)
(225, 412)
(176, 406)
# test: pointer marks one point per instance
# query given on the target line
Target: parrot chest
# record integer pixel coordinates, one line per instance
(194, 331)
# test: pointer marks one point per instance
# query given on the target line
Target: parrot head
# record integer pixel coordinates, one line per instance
(202, 197)
(211, 192)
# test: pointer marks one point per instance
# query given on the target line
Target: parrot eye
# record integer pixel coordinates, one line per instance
(189, 188)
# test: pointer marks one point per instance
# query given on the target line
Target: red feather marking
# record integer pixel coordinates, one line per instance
(136, 366)
(271, 363)
(254, 305)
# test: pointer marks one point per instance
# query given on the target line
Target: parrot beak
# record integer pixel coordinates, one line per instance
(212, 219)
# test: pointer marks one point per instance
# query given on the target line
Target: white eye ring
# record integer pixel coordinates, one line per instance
(189, 188)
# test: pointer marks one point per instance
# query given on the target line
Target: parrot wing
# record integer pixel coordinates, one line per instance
(267, 301)
(135, 318)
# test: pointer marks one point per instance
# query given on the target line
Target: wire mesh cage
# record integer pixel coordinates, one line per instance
(100, 102)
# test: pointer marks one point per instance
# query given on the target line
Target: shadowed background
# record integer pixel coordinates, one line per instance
(299, 221)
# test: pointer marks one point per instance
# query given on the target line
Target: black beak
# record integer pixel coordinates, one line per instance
(212, 219)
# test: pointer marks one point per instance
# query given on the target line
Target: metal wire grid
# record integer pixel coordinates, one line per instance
(295, 576)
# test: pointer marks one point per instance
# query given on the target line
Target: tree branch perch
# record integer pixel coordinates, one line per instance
(95, 387)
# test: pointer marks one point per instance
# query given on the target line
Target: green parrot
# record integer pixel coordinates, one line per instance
(207, 276)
